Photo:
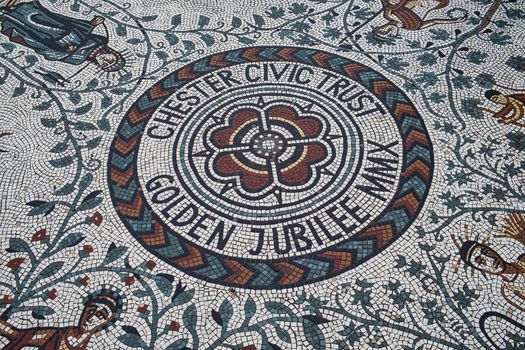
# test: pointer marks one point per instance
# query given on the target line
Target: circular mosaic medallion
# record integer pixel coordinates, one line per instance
(270, 167)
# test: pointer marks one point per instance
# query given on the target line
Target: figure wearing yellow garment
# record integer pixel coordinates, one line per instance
(513, 108)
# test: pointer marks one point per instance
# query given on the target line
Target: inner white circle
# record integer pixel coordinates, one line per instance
(264, 206)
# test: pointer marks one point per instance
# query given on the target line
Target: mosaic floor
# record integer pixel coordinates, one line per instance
(303, 174)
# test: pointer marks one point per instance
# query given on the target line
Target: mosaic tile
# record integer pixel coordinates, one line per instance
(286, 174)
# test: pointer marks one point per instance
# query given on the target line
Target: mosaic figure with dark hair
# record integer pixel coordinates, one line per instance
(57, 37)
(513, 108)
(99, 312)
(482, 258)
(401, 14)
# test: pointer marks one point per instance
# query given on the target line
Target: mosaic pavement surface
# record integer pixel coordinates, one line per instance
(322, 174)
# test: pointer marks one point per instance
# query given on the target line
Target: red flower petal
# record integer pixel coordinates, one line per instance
(15, 263)
(222, 137)
(96, 218)
(251, 181)
(39, 235)
(309, 127)
(6, 300)
(300, 172)
(52, 294)
(249, 347)
(151, 264)
(174, 326)
(142, 308)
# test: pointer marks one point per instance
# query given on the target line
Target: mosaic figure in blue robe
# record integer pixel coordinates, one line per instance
(57, 37)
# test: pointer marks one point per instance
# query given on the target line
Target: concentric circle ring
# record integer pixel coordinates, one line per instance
(150, 230)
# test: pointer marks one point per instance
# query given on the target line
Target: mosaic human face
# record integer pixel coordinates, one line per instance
(487, 260)
(106, 60)
(501, 99)
(95, 316)
(387, 31)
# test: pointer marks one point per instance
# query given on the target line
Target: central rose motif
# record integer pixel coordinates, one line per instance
(275, 147)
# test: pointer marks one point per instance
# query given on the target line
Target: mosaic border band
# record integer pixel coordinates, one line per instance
(157, 237)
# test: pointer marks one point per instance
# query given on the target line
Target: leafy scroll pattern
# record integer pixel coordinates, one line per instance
(417, 302)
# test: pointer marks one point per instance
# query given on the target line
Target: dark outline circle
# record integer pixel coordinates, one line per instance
(122, 174)
(275, 221)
